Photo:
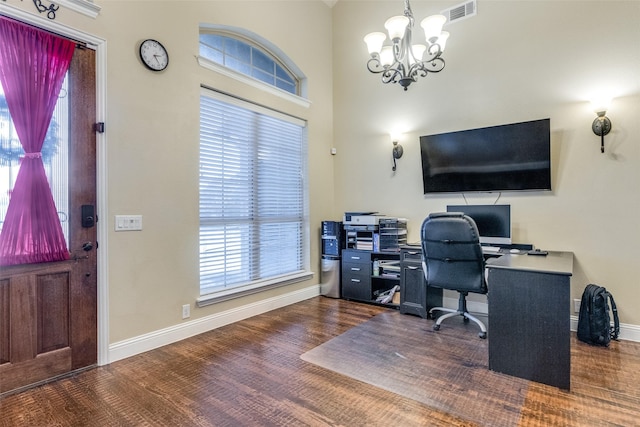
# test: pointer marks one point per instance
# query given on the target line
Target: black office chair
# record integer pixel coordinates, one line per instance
(452, 259)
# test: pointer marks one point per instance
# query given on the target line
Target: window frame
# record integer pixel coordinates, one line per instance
(246, 57)
(277, 54)
(272, 282)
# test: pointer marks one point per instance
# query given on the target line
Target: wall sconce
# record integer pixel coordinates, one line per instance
(601, 126)
(397, 153)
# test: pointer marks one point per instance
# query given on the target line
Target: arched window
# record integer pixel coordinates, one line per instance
(248, 56)
(254, 222)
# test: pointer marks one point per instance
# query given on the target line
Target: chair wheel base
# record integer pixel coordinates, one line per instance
(436, 327)
(483, 335)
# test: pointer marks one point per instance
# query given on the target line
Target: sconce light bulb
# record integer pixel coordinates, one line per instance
(600, 104)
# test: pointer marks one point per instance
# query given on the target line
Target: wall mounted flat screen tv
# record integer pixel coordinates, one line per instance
(511, 157)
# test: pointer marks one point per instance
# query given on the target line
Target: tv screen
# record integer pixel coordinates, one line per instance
(512, 157)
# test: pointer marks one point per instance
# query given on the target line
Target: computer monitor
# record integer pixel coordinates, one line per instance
(493, 221)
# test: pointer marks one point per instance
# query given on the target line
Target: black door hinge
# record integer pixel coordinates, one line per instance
(99, 127)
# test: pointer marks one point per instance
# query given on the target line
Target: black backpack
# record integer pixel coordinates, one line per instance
(594, 324)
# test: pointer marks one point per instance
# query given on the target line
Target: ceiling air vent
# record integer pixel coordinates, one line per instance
(461, 11)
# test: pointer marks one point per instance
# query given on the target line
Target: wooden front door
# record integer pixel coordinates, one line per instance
(48, 311)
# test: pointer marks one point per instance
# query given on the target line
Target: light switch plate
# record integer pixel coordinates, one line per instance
(128, 222)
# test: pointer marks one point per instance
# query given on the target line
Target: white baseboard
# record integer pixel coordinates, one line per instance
(627, 332)
(136, 345)
(140, 344)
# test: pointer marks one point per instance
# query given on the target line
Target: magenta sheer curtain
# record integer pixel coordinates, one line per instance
(33, 64)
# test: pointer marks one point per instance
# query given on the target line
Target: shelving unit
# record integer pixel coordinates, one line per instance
(381, 244)
(403, 269)
(386, 235)
(359, 282)
(393, 234)
(361, 237)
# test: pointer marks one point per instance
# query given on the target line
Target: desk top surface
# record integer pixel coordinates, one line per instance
(554, 262)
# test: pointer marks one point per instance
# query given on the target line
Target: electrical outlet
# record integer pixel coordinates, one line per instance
(186, 311)
(576, 305)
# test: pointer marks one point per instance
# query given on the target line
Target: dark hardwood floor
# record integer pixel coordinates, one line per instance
(250, 374)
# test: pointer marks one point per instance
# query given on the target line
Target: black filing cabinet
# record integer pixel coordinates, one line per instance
(356, 275)
(415, 297)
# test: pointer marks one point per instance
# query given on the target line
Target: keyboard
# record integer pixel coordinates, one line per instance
(491, 249)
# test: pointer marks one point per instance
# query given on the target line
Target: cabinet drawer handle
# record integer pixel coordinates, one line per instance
(411, 267)
(412, 253)
(355, 269)
(355, 280)
(355, 257)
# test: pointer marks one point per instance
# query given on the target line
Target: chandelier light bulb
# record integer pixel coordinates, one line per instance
(442, 40)
(432, 26)
(386, 56)
(374, 42)
(396, 25)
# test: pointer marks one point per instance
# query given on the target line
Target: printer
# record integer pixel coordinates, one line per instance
(361, 218)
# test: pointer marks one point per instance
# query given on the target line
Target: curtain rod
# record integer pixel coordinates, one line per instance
(80, 44)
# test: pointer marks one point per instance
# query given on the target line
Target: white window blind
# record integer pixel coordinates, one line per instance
(252, 194)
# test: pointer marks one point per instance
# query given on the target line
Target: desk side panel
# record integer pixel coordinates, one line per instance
(529, 325)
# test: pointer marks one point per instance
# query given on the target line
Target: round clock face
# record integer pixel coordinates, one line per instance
(153, 55)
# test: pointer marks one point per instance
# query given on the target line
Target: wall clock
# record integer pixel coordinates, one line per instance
(154, 55)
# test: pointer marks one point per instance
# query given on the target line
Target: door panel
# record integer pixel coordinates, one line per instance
(28, 360)
(48, 311)
(53, 311)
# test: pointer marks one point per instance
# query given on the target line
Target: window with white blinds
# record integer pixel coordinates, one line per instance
(253, 214)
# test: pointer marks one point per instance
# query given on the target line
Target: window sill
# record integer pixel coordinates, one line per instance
(254, 288)
(210, 65)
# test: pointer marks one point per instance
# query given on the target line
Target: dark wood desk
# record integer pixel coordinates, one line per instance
(529, 322)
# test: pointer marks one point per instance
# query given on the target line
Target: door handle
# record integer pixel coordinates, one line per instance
(87, 246)
(88, 216)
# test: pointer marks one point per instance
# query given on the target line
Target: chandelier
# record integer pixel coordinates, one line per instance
(403, 62)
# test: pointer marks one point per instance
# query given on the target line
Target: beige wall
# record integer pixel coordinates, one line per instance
(153, 146)
(514, 61)
(152, 129)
